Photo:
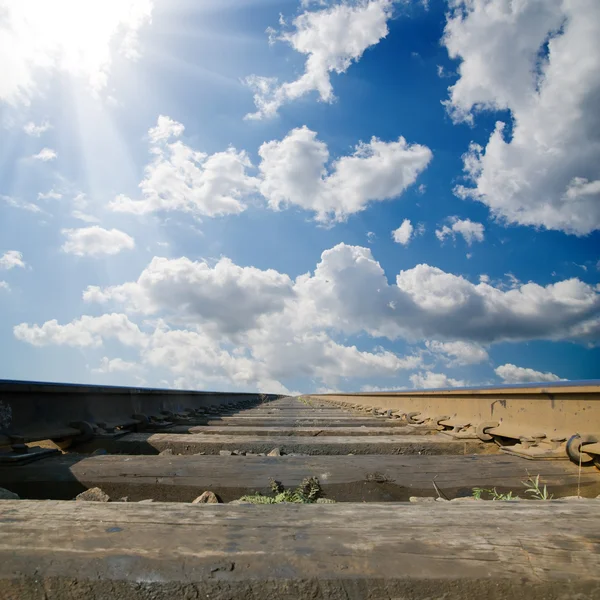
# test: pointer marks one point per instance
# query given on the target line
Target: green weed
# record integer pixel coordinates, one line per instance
(493, 493)
(308, 492)
(532, 485)
(533, 488)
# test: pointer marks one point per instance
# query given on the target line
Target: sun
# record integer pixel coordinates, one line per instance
(75, 36)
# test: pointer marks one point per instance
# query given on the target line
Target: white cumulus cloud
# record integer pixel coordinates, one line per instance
(181, 178)
(45, 155)
(84, 332)
(374, 388)
(458, 353)
(11, 259)
(350, 292)
(166, 128)
(36, 130)
(471, 231)
(115, 365)
(95, 241)
(430, 380)
(540, 60)
(403, 234)
(50, 195)
(510, 373)
(249, 326)
(293, 172)
(226, 295)
(332, 39)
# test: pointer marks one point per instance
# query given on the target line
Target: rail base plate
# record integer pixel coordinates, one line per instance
(536, 453)
(20, 458)
(110, 435)
(459, 435)
(153, 426)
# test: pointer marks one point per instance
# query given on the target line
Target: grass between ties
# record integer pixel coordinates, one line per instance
(308, 492)
(532, 487)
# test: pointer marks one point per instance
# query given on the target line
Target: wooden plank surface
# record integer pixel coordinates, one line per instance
(342, 478)
(305, 431)
(492, 550)
(297, 407)
(303, 421)
(193, 443)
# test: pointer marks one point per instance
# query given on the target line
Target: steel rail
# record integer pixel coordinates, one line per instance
(538, 421)
(32, 411)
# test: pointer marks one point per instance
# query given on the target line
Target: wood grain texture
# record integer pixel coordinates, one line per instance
(324, 430)
(308, 420)
(342, 478)
(193, 443)
(444, 550)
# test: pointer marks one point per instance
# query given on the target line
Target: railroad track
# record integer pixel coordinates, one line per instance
(332, 496)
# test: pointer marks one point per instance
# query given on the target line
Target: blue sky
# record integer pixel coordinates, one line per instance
(300, 196)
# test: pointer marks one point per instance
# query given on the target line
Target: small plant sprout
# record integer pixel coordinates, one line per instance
(493, 493)
(532, 484)
(533, 488)
(308, 492)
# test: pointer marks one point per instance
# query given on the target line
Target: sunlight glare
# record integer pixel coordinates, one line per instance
(76, 36)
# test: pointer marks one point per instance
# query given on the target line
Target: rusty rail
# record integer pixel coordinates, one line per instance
(37, 411)
(536, 422)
